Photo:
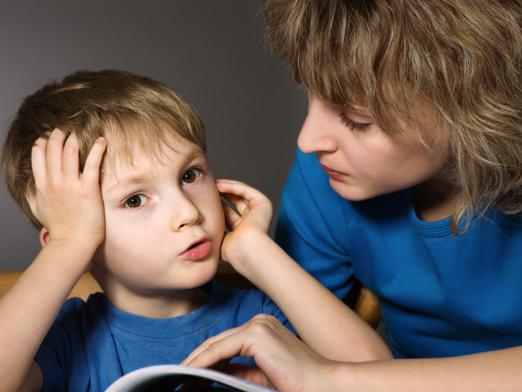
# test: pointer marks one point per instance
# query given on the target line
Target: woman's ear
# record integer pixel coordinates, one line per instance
(44, 236)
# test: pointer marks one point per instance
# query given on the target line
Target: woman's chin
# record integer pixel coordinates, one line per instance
(350, 192)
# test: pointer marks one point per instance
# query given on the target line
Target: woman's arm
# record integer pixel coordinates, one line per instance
(499, 370)
(288, 365)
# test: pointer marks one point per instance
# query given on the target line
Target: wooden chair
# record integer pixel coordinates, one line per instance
(366, 305)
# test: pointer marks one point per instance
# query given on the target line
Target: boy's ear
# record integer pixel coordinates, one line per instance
(44, 236)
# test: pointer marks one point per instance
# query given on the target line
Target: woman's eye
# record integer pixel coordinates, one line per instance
(191, 175)
(135, 201)
(353, 125)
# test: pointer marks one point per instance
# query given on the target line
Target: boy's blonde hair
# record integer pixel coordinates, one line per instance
(131, 111)
(460, 58)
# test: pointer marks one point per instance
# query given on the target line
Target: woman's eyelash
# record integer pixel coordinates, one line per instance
(353, 125)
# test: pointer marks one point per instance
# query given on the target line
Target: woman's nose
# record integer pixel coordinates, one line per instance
(316, 133)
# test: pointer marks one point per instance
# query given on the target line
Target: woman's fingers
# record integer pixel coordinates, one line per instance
(232, 342)
(227, 347)
(208, 342)
(285, 362)
(248, 373)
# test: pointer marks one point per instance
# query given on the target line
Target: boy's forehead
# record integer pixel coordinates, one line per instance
(122, 161)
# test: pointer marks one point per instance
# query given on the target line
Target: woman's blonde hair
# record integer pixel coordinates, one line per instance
(130, 111)
(461, 57)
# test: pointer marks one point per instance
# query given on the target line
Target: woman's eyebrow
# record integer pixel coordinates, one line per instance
(359, 111)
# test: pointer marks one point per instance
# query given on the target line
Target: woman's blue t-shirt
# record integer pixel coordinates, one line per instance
(441, 294)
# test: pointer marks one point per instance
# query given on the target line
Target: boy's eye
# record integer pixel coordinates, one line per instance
(353, 125)
(191, 175)
(135, 201)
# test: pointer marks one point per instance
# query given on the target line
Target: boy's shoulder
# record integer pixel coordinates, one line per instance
(78, 321)
(227, 307)
(74, 309)
(243, 300)
(77, 304)
(241, 304)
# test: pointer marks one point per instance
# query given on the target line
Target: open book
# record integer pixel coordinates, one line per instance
(174, 378)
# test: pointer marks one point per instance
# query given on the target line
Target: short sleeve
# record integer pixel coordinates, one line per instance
(312, 225)
(55, 353)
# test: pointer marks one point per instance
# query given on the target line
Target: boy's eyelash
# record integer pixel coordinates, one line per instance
(200, 171)
(353, 125)
(125, 202)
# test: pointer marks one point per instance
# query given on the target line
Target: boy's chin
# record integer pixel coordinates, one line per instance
(203, 275)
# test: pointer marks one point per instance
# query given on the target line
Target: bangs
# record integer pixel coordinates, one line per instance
(319, 54)
(131, 136)
(148, 128)
(350, 53)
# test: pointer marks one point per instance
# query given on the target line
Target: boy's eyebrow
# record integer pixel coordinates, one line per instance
(143, 177)
(137, 179)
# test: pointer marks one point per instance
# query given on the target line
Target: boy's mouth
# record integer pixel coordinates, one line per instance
(198, 250)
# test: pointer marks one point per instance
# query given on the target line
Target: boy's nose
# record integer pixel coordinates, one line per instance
(186, 214)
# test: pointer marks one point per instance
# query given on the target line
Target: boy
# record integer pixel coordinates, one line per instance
(150, 235)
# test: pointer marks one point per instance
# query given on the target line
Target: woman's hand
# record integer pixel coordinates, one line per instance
(250, 218)
(285, 362)
(66, 202)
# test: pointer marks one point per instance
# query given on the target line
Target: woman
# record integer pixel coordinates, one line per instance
(408, 178)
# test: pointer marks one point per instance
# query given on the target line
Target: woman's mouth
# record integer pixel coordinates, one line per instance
(198, 251)
(333, 173)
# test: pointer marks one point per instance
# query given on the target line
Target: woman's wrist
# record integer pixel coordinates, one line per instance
(331, 376)
(343, 376)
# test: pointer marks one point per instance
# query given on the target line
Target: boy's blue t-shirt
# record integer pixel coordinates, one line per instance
(441, 294)
(93, 343)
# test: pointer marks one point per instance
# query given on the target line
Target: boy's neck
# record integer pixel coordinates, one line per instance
(158, 305)
(435, 200)
(165, 306)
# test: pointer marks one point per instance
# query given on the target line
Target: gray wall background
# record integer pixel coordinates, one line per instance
(211, 52)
